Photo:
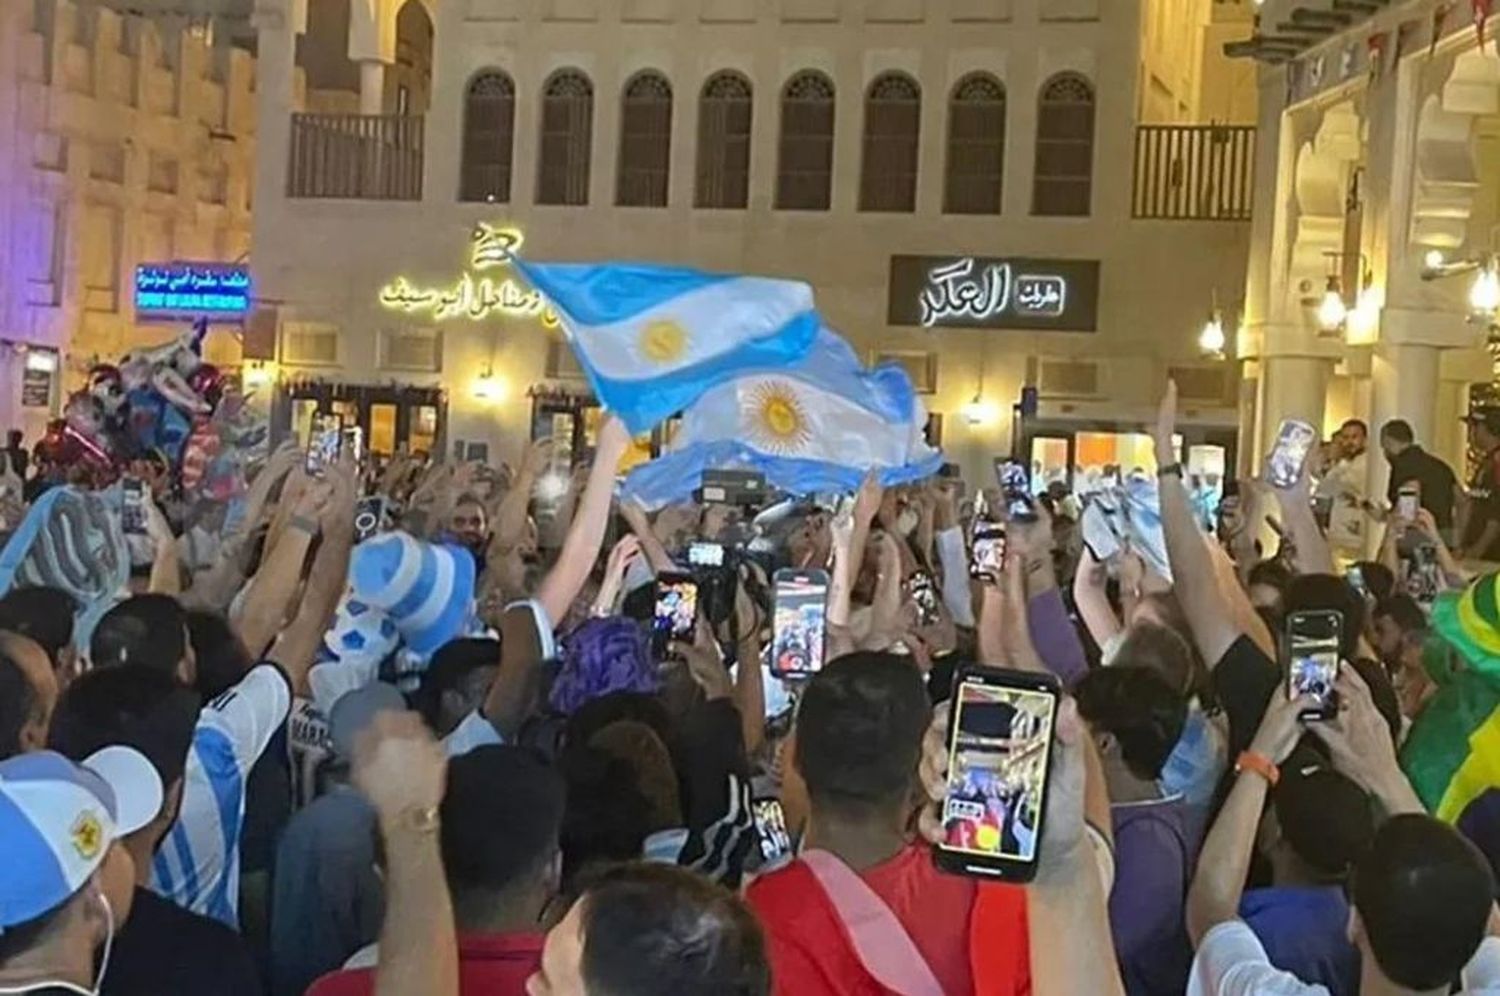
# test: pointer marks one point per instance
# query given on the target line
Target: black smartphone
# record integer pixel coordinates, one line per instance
(999, 755)
(133, 506)
(369, 516)
(1313, 642)
(770, 827)
(798, 622)
(922, 590)
(1015, 486)
(988, 556)
(1294, 441)
(676, 610)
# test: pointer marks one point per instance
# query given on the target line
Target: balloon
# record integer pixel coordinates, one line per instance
(207, 382)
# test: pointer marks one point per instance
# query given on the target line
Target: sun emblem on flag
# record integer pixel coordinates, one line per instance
(662, 342)
(777, 419)
(87, 835)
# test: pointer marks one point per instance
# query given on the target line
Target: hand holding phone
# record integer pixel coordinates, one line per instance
(988, 556)
(770, 826)
(1294, 441)
(1407, 503)
(1313, 647)
(1015, 487)
(133, 506)
(676, 612)
(798, 622)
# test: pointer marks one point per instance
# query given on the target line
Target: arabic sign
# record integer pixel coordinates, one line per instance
(994, 293)
(470, 297)
(192, 290)
(36, 388)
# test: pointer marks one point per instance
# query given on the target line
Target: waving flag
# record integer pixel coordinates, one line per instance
(651, 339)
(817, 425)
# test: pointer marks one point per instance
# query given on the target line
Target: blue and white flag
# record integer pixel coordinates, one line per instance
(651, 339)
(815, 426)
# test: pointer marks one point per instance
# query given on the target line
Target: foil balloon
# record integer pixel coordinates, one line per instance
(175, 388)
(207, 382)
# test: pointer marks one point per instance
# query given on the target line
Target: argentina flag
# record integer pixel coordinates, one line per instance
(651, 339)
(815, 426)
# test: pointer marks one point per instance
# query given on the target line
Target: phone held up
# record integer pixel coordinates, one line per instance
(133, 506)
(999, 757)
(1294, 441)
(323, 444)
(988, 556)
(1407, 503)
(1015, 488)
(676, 611)
(1313, 642)
(770, 827)
(798, 622)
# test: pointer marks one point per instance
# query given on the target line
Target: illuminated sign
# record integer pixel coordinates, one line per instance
(471, 297)
(192, 290)
(994, 293)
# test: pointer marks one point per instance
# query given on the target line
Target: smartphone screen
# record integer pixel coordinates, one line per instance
(323, 444)
(676, 609)
(133, 506)
(702, 554)
(1356, 576)
(353, 442)
(1294, 441)
(1421, 575)
(1406, 505)
(921, 589)
(988, 555)
(1313, 640)
(999, 748)
(770, 826)
(798, 622)
(1015, 485)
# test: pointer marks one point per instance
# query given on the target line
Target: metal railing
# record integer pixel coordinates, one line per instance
(1194, 172)
(372, 157)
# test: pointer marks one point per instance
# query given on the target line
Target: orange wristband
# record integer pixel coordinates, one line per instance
(1260, 764)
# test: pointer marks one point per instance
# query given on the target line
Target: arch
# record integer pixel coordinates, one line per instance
(804, 149)
(725, 113)
(644, 169)
(488, 137)
(567, 138)
(893, 124)
(408, 80)
(975, 170)
(1063, 185)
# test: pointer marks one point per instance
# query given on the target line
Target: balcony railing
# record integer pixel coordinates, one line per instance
(372, 157)
(1194, 172)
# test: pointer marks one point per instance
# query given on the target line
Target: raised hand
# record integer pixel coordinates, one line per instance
(1166, 426)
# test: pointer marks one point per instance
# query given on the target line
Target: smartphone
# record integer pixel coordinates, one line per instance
(701, 554)
(369, 516)
(1015, 485)
(1294, 441)
(1407, 503)
(798, 621)
(323, 444)
(1313, 642)
(352, 441)
(921, 589)
(1422, 575)
(676, 610)
(999, 752)
(1356, 577)
(770, 827)
(133, 506)
(988, 555)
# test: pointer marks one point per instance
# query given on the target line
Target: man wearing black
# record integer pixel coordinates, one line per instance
(1410, 463)
(1481, 535)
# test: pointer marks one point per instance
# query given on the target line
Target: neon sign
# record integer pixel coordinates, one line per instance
(192, 290)
(955, 291)
(470, 297)
(978, 292)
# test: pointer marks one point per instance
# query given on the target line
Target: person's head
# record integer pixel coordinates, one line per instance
(1329, 592)
(456, 682)
(1380, 580)
(650, 761)
(221, 658)
(137, 707)
(1395, 437)
(470, 523)
(1484, 428)
(1352, 438)
(46, 615)
(148, 631)
(607, 817)
(1162, 650)
(501, 817)
(13, 438)
(28, 694)
(645, 929)
(1400, 623)
(1318, 824)
(1422, 897)
(1136, 718)
(612, 654)
(858, 737)
(1267, 583)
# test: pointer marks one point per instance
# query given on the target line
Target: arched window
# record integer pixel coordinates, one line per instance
(1064, 147)
(804, 158)
(489, 132)
(724, 111)
(976, 146)
(567, 139)
(645, 141)
(893, 118)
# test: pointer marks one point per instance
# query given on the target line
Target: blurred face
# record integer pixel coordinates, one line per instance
(34, 663)
(561, 973)
(1351, 441)
(1387, 639)
(469, 524)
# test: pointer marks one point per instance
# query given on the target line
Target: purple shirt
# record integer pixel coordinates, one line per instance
(1056, 638)
(1156, 847)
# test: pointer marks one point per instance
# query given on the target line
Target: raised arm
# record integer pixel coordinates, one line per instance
(1092, 601)
(275, 585)
(651, 544)
(510, 518)
(166, 569)
(215, 587)
(566, 579)
(866, 506)
(1313, 555)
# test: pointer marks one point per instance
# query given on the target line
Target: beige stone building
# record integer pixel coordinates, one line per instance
(122, 141)
(890, 152)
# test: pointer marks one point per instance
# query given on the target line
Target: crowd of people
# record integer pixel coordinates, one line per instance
(416, 727)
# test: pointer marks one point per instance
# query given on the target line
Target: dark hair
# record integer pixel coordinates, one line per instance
(1404, 611)
(1318, 592)
(607, 817)
(144, 629)
(859, 731)
(1424, 894)
(1271, 573)
(18, 704)
(1382, 694)
(451, 670)
(1326, 819)
(1139, 709)
(135, 706)
(222, 659)
(1380, 580)
(1356, 423)
(43, 613)
(502, 814)
(1160, 650)
(1398, 431)
(652, 928)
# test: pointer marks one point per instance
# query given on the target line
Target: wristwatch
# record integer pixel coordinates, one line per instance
(1170, 470)
(1260, 765)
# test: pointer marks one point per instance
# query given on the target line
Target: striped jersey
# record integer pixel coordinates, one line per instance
(197, 865)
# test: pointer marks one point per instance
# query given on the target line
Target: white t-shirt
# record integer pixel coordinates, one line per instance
(1232, 962)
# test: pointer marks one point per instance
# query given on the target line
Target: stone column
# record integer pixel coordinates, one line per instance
(371, 87)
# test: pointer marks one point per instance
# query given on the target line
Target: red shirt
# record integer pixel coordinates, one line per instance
(488, 965)
(811, 954)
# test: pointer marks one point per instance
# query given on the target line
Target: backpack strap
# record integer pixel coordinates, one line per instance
(880, 943)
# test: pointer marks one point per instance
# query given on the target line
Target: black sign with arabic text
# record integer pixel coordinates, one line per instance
(985, 292)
